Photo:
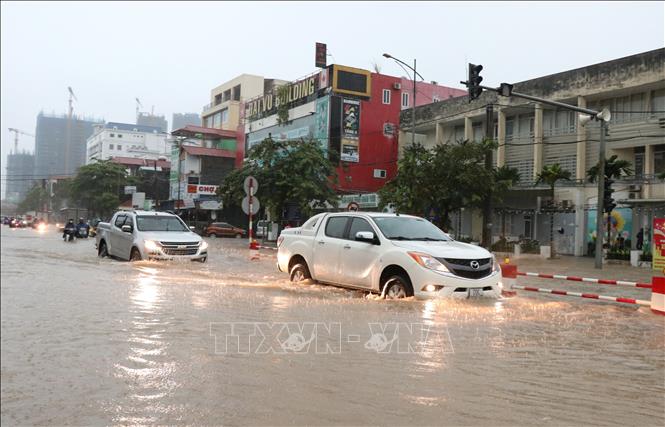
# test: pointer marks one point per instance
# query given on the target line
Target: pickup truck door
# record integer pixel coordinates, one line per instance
(358, 259)
(114, 233)
(125, 240)
(327, 247)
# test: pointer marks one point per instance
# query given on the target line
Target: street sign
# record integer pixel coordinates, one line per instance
(130, 189)
(255, 205)
(212, 205)
(255, 185)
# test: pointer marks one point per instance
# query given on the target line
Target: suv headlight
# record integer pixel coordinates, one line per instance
(204, 245)
(151, 245)
(429, 262)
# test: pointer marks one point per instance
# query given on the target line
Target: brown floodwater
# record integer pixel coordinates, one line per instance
(100, 341)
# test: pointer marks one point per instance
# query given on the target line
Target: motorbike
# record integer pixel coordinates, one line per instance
(82, 233)
(70, 234)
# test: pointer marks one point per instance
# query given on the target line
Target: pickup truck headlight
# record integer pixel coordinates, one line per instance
(496, 267)
(151, 246)
(428, 261)
(204, 245)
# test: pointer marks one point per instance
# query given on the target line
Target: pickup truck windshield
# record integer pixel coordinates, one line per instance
(159, 223)
(405, 228)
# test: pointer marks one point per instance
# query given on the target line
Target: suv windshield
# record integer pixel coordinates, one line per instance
(408, 228)
(160, 223)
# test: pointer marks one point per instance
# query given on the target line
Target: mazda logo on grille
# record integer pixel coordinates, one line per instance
(475, 264)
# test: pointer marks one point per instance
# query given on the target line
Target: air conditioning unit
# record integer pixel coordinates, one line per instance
(397, 86)
(379, 173)
(633, 195)
(635, 188)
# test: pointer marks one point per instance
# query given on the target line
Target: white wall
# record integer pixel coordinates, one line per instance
(144, 145)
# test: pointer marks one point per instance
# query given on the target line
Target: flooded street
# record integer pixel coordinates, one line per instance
(99, 341)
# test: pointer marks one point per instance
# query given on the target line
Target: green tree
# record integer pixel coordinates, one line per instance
(443, 180)
(288, 172)
(97, 187)
(550, 175)
(615, 168)
(35, 200)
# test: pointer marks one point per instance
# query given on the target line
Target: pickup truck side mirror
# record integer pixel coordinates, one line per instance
(127, 228)
(366, 236)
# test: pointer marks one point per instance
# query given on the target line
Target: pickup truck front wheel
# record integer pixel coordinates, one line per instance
(397, 287)
(135, 255)
(299, 273)
(103, 251)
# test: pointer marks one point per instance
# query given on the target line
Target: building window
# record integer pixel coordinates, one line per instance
(119, 135)
(659, 159)
(658, 103)
(236, 93)
(405, 99)
(217, 120)
(435, 98)
(225, 115)
(112, 135)
(111, 146)
(218, 99)
(227, 95)
(386, 96)
(639, 162)
(192, 180)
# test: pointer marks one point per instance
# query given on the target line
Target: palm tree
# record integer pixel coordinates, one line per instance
(614, 168)
(505, 177)
(550, 175)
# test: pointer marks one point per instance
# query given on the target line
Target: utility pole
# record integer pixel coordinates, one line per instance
(598, 263)
(154, 184)
(413, 110)
(487, 204)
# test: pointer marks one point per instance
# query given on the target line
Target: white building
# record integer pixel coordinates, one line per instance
(127, 140)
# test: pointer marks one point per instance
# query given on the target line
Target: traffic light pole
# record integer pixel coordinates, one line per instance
(487, 203)
(601, 191)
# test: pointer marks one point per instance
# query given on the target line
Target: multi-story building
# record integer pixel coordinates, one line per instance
(153, 120)
(199, 162)
(60, 144)
(180, 120)
(353, 113)
(223, 111)
(531, 135)
(127, 140)
(20, 169)
(426, 93)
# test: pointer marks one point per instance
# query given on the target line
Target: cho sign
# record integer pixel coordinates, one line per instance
(208, 190)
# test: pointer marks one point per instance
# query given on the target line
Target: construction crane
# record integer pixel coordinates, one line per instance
(138, 104)
(16, 133)
(72, 98)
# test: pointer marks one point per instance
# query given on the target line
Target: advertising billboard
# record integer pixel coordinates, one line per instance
(658, 249)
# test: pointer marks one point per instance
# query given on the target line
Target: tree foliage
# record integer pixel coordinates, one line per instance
(97, 187)
(288, 172)
(614, 168)
(550, 175)
(445, 179)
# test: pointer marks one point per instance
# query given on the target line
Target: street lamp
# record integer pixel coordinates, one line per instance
(413, 110)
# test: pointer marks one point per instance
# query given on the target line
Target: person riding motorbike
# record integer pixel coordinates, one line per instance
(70, 230)
(82, 229)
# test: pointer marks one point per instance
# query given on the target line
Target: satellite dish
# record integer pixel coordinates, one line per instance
(605, 115)
(583, 119)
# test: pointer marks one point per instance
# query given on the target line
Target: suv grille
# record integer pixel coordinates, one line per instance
(462, 267)
(180, 251)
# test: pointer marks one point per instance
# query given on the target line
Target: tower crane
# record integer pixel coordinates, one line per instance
(16, 133)
(72, 98)
(138, 104)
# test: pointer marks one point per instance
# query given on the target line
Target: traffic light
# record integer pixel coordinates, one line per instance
(473, 81)
(608, 201)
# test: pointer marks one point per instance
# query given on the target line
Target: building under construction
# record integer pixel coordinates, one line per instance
(60, 144)
(20, 166)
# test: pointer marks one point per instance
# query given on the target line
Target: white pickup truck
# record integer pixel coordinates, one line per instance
(137, 235)
(394, 255)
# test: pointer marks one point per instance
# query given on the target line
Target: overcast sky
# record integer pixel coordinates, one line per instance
(170, 54)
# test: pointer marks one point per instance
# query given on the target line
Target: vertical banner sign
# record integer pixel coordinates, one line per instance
(321, 59)
(321, 122)
(350, 131)
(658, 252)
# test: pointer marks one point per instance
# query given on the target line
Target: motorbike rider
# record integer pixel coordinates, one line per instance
(70, 228)
(82, 225)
